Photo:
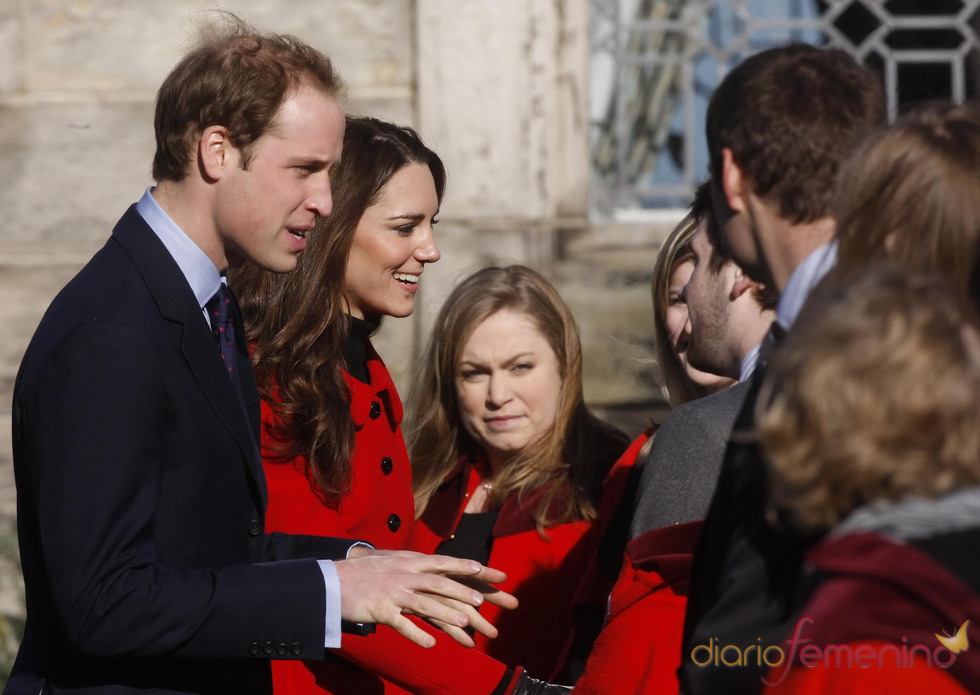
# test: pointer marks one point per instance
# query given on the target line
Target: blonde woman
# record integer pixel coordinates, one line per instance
(508, 463)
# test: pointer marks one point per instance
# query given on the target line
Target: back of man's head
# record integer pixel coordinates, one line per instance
(236, 77)
(790, 116)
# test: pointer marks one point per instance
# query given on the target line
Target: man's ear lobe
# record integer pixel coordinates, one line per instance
(733, 181)
(215, 152)
(741, 285)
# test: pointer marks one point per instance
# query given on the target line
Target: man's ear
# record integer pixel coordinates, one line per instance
(743, 283)
(216, 152)
(733, 182)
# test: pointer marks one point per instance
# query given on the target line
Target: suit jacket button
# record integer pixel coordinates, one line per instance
(296, 649)
(375, 410)
(254, 649)
(386, 465)
(394, 523)
(254, 527)
(282, 649)
(267, 649)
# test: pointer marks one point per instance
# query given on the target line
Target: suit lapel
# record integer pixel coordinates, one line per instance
(177, 303)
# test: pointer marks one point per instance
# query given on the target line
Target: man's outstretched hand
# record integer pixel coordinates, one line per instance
(382, 586)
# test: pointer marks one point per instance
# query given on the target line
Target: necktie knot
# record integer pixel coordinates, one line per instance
(772, 341)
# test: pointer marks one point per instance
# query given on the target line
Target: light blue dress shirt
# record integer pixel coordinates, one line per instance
(806, 276)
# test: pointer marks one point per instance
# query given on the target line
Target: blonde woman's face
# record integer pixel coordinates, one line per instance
(676, 318)
(507, 384)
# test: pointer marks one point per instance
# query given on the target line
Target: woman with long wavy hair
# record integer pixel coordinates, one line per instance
(332, 447)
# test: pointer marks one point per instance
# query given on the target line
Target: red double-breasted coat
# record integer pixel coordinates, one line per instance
(543, 573)
(379, 508)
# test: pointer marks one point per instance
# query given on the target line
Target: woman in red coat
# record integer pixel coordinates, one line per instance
(507, 460)
(333, 452)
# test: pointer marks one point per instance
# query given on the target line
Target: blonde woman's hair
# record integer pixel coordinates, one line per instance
(566, 454)
(677, 387)
(874, 395)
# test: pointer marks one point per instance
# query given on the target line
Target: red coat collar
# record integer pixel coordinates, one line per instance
(381, 386)
(669, 551)
(445, 507)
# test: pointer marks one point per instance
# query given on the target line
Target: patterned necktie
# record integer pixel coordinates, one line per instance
(219, 312)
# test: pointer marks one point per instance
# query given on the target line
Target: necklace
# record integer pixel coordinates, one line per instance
(487, 485)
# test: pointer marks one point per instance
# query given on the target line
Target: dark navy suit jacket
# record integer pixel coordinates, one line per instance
(141, 496)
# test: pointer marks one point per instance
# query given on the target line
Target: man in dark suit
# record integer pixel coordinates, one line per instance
(140, 490)
(779, 126)
(728, 316)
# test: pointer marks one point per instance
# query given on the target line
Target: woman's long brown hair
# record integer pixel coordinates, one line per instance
(296, 323)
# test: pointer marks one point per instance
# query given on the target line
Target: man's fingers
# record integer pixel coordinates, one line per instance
(379, 586)
(475, 620)
(412, 631)
(450, 588)
(481, 624)
(457, 633)
(444, 564)
(491, 594)
(501, 599)
(490, 575)
(439, 607)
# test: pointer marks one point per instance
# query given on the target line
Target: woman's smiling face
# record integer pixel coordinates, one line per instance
(392, 243)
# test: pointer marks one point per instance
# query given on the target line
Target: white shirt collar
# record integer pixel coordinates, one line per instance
(747, 367)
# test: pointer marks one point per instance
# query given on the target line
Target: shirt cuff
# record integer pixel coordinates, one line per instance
(331, 635)
(331, 582)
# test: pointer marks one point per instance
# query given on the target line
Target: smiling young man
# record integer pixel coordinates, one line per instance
(728, 315)
(140, 492)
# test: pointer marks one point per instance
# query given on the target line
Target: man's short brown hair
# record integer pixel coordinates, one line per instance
(237, 77)
(791, 115)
